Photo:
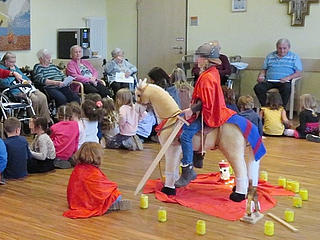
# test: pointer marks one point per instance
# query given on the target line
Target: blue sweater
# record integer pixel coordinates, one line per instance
(18, 155)
(3, 156)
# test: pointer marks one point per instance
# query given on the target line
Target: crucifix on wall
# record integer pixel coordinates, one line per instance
(298, 9)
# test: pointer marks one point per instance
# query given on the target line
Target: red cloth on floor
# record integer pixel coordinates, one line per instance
(208, 194)
(90, 192)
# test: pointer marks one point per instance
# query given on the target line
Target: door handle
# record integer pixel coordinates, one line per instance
(178, 48)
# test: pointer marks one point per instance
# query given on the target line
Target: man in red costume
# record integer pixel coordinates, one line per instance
(207, 98)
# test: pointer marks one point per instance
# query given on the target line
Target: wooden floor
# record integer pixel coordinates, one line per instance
(32, 208)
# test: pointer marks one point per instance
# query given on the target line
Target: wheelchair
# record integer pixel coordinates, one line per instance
(16, 106)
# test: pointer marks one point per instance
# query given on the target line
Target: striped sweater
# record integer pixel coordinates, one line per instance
(41, 74)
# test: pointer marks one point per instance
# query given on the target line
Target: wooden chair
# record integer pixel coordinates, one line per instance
(81, 88)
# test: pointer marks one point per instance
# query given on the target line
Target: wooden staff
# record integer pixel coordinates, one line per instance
(162, 151)
(292, 228)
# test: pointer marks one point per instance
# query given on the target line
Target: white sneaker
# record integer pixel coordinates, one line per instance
(313, 138)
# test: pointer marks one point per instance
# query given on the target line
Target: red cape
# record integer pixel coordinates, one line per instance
(89, 193)
(208, 90)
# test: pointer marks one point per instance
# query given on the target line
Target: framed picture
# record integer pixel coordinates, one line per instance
(239, 5)
(14, 25)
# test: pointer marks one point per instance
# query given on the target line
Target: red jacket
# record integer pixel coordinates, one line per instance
(208, 90)
(90, 193)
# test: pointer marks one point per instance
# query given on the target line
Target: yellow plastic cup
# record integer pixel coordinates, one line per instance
(268, 228)
(282, 182)
(289, 185)
(201, 227)
(162, 215)
(144, 201)
(289, 215)
(304, 194)
(263, 175)
(297, 201)
(295, 186)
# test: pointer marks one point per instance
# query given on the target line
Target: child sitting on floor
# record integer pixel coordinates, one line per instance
(90, 193)
(65, 137)
(3, 160)
(76, 116)
(17, 150)
(92, 114)
(308, 118)
(42, 148)
(274, 116)
(146, 124)
(245, 105)
(230, 98)
(95, 97)
(129, 116)
(110, 121)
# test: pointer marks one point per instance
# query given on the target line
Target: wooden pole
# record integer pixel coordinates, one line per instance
(162, 151)
(292, 228)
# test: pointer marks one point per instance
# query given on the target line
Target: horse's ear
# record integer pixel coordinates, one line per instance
(144, 82)
(140, 83)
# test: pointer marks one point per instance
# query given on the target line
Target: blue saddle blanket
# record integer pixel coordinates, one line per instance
(251, 134)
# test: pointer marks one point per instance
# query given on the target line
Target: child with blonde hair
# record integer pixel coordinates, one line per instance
(90, 193)
(109, 125)
(65, 137)
(129, 116)
(308, 118)
(42, 148)
(185, 89)
(274, 116)
(76, 116)
(245, 105)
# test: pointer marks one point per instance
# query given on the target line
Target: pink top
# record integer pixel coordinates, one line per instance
(73, 70)
(129, 118)
(65, 137)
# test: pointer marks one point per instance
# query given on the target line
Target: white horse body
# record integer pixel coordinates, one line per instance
(228, 138)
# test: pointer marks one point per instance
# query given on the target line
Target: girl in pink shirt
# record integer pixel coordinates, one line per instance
(129, 116)
(65, 137)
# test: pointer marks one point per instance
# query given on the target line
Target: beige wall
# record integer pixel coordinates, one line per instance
(253, 34)
(250, 34)
(48, 15)
(122, 27)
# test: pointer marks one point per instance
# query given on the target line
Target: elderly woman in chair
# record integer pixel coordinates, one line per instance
(50, 78)
(84, 72)
(39, 100)
(119, 64)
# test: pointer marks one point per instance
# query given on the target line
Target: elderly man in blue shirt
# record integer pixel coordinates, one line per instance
(279, 68)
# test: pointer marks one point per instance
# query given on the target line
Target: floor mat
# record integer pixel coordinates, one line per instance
(208, 194)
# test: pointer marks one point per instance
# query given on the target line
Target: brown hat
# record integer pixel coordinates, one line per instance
(209, 51)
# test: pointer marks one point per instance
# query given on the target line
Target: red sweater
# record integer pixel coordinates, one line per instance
(65, 137)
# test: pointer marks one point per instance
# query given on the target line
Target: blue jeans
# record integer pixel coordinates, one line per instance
(186, 140)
